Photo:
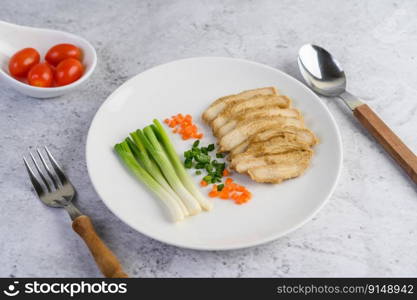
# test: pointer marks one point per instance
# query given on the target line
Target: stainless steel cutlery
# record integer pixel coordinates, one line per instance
(325, 76)
(55, 190)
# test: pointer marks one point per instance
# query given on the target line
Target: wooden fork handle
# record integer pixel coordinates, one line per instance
(388, 139)
(107, 262)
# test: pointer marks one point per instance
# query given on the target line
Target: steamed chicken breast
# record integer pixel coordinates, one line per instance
(237, 107)
(267, 159)
(265, 136)
(217, 106)
(276, 145)
(265, 111)
(276, 173)
(248, 128)
(302, 135)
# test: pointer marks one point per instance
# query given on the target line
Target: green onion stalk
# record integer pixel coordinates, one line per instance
(185, 178)
(126, 155)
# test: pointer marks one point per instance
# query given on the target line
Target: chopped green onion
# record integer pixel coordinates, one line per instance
(200, 165)
(188, 154)
(207, 178)
(209, 168)
(196, 143)
(202, 158)
(188, 163)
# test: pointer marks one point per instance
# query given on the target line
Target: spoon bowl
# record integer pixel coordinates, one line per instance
(16, 37)
(321, 71)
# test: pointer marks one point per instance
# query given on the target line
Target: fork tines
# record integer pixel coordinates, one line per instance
(47, 175)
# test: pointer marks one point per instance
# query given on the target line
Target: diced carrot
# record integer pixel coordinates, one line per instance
(240, 199)
(245, 197)
(229, 180)
(188, 131)
(240, 188)
(224, 194)
(234, 196)
(213, 194)
(184, 126)
(172, 123)
(227, 188)
(203, 183)
(225, 172)
(233, 186)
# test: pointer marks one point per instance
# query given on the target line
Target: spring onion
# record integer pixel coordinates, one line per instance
(124, 152)
(150, 165)
(178, 166)
(151, 144)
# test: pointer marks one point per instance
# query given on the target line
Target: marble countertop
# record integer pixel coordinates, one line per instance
(369, 226)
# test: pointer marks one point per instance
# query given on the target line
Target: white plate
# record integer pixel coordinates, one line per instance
(189, 86)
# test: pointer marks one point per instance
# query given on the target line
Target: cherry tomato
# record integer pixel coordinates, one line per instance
(53, 68)
(22, 61)
(41, 75)
(62, 51)
(68, 71)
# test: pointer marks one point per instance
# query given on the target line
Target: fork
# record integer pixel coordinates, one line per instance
(55, 190)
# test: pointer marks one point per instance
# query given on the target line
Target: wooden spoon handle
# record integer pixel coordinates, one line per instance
(107, 262)
(388, 139)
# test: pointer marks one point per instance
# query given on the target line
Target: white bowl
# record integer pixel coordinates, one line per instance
(15, 37)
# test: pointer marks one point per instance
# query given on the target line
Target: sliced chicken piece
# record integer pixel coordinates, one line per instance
(265, 111)
(302, 135)
(237, 107)
(276, 173)
(248, 128)
(239, 149)
(276, 145)
(263, 160)
(217, 106)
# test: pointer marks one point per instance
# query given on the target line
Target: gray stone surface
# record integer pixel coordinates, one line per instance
(368, 228)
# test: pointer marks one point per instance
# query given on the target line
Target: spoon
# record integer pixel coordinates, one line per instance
(325, 76)
(15, 37)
